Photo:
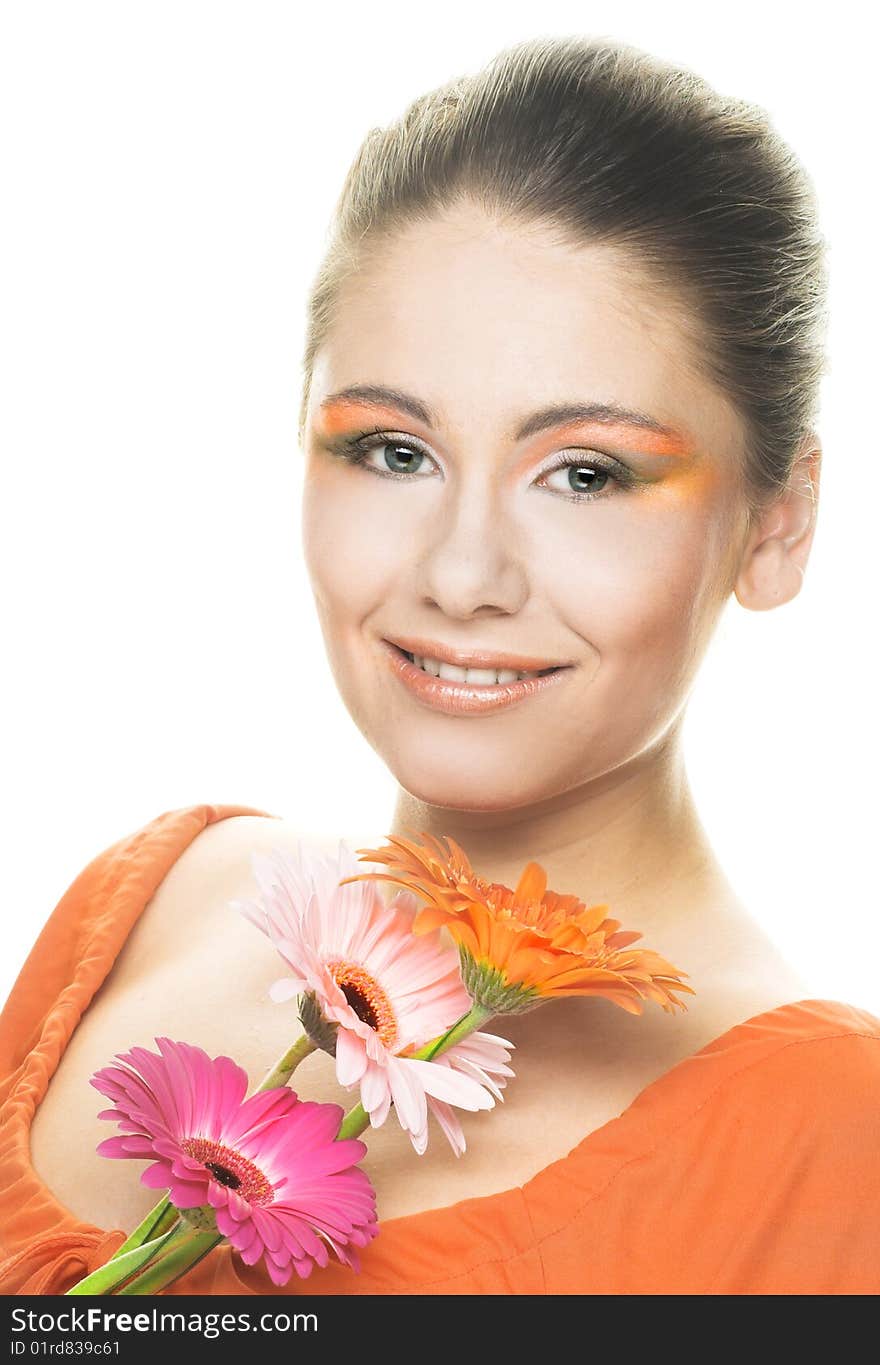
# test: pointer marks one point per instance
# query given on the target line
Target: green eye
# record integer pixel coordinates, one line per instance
(586, 476)
(400, 459)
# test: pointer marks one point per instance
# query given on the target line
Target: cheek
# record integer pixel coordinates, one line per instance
(348, 546)
(639, 574)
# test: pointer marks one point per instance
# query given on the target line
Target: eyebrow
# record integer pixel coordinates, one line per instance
(557, 414)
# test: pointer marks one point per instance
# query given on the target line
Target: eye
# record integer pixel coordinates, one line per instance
(583, 476)
(388, 456)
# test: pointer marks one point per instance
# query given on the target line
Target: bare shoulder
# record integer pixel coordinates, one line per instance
(217, 863)
(189, 912)
(225, 846)
(224, 843)
(222, 846)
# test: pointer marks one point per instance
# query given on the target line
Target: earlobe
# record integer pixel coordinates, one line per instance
(775, 559)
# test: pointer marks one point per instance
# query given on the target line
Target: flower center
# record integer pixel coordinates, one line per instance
(367, 998)
(230, 1168)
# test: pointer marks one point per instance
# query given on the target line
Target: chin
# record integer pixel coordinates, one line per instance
(462, 790)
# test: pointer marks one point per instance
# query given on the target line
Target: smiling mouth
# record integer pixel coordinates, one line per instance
(459, 691)
(473, 677)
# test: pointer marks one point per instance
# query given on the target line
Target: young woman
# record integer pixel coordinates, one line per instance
(560, 395)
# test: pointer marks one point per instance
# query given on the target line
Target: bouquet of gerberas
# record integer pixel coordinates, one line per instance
(277, 1176)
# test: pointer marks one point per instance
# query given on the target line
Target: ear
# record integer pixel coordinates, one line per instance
(775, 557)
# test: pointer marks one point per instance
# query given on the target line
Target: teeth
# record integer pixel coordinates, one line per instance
(486, 677)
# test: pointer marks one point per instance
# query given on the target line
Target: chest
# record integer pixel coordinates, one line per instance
(212, 990)
(204, 978)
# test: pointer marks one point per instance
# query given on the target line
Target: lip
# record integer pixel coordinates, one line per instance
(472, 658)
(458, 698)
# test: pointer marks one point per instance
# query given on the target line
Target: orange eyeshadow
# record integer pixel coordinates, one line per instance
(332, 418)
(340, 414)
(638, 439)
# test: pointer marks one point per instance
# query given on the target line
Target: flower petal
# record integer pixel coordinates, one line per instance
(351, 1058)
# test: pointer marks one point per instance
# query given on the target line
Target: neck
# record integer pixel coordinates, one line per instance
(631, 838)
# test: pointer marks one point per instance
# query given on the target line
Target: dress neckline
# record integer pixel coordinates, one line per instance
(618, 1140)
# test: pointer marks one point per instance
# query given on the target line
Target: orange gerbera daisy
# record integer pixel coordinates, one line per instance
(523, 946)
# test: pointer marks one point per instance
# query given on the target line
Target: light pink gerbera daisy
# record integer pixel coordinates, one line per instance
(373, 992)
(280, 1185)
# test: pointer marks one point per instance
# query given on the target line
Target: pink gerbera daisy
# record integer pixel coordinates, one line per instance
(280, 1185)
(373, 992)
(482, 1056)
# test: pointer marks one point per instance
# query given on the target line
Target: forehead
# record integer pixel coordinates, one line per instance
(486, 319)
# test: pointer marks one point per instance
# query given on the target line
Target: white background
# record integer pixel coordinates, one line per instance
(168, 171)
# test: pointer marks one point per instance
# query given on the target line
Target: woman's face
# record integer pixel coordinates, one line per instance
(463, 527)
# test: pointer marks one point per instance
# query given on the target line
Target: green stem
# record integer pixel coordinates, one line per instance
(468, 1023)
(181, 1257)
(284, 1068)
(357, 1118)
(120, 1267)
(161, 1218)
(354, 1123)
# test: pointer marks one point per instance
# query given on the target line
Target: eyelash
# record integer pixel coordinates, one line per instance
(356, 449)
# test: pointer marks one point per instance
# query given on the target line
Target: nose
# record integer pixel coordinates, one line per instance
(471, 562)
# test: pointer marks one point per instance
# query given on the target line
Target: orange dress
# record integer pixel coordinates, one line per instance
(752, 1167)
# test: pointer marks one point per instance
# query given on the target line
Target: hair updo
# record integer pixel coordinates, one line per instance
(608, 144)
